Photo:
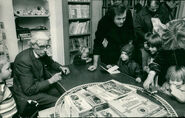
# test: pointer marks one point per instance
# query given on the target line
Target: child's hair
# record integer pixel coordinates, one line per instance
(129, 48)
(3, 61)
(155, 41)
(176, 73)
(147, 36)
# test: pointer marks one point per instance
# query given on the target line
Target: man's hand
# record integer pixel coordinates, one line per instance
(65, 70)
(92, 67)
(56, 77)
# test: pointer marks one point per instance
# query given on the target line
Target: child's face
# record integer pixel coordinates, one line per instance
(176, 82)
(124, 56)
(152, 50)
(6, 71)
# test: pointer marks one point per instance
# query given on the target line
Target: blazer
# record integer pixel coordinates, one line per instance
(29, 75)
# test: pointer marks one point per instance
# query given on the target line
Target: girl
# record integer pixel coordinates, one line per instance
(175, 85)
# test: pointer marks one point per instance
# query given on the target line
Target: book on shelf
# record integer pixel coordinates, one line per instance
(78, 27)
(78, 11)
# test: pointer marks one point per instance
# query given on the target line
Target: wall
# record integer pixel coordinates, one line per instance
(7, 16)
(182, 10)
(56, 30)
(96, 15)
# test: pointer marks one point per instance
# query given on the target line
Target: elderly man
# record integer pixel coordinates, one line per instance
(30, 81)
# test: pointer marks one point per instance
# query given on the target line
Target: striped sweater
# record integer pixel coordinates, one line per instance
(7, 103)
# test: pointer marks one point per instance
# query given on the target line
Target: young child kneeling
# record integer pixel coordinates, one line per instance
(7, 103)
(83, 56)
(175, 85)
(127, 65)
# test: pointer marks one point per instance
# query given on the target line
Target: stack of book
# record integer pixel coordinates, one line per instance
(111, 90)
(109, 99)
(135, 105)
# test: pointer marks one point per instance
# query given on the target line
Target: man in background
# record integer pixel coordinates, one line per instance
(167, 10)
(142, 25)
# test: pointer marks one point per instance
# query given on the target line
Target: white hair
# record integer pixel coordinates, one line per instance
(39, 36)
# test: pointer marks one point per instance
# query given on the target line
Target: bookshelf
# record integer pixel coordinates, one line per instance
(77, 15)
(129, 3)
(30, 16)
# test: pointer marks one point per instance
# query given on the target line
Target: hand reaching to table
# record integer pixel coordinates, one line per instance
(65, 70)
(55, 78)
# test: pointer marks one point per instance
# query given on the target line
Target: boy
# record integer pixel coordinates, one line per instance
(127, 65)
(7, 103)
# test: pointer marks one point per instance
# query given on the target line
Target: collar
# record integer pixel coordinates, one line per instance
(36, 55)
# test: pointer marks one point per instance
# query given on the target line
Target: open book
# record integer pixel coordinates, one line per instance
(112, 70)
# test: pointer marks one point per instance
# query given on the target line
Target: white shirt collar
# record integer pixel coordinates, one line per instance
(35, 54)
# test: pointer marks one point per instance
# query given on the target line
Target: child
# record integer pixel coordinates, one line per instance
(175, 85)
(82, 57)
(7, 103)
(145, 51)
(127, 65)
(154, 44)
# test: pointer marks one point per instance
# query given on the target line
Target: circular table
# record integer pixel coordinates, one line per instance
(164, 103)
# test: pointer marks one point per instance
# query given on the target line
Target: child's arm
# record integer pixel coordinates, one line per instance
(178, 94)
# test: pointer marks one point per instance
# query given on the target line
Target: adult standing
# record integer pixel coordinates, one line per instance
(166, 10)
(115, 29)
(143, 24)
(30, 81)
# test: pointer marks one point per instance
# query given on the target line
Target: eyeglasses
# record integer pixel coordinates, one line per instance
(42, 47)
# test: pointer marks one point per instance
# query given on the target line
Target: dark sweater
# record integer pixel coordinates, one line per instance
(116, 37)
(130, 68)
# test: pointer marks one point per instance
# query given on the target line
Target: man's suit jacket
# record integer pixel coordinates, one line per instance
(29, 75)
